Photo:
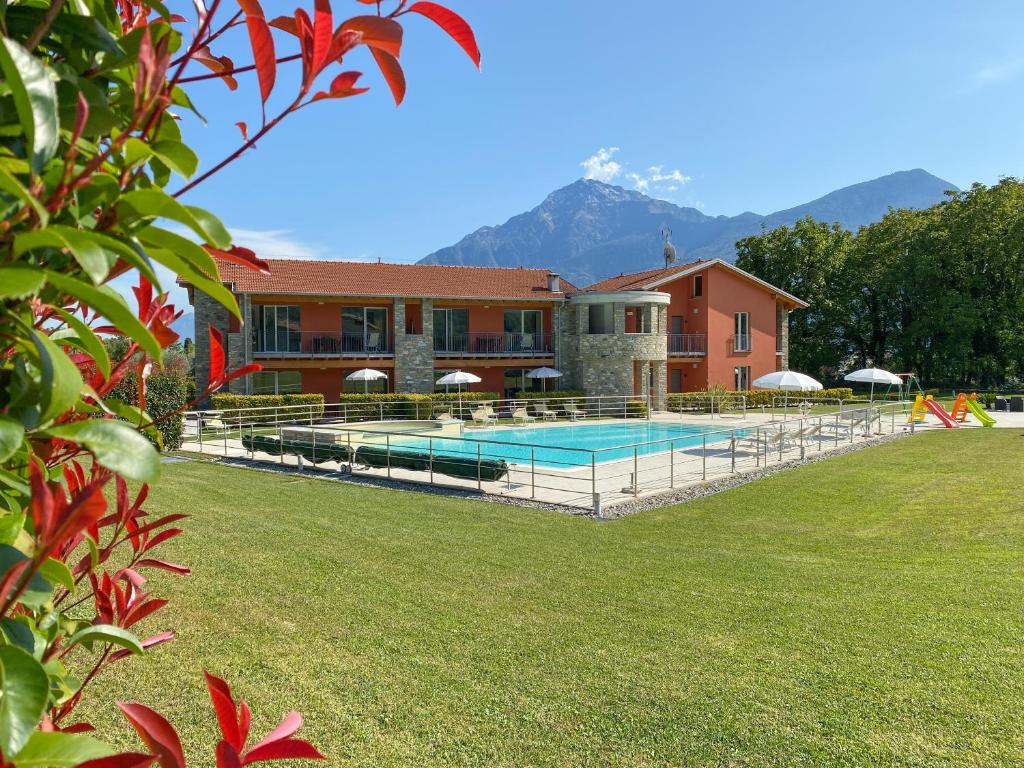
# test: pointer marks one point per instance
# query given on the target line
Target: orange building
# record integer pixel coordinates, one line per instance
(312, 323)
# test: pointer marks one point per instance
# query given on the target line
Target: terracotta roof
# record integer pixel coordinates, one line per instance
(347, 278)
(636, 281)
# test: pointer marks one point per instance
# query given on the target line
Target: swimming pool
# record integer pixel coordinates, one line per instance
(552, 445)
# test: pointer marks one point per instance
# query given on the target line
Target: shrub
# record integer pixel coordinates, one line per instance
(636, 408)
(402, 405)
(754, 398)
(237, 408)
(551, 395)
(167, 395)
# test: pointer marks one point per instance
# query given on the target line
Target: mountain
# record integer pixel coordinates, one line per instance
(590, 230)
(185, 326)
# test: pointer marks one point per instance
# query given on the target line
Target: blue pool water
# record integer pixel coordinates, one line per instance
(553, 444)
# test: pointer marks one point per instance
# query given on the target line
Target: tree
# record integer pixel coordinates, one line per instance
(92, 94)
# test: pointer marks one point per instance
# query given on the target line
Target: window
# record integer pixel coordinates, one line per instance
(523, 329)
(741, 339)
(742, 378)
(276, 382)
(601, 318)
(637, 320)
(364, 329)
(276, 328)
(677, 324)
(451, 330)
(675, 380)
(698, 286)
(516, 381)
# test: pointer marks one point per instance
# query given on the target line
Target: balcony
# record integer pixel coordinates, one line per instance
(313, 344)
(687, 344)
(493, 345)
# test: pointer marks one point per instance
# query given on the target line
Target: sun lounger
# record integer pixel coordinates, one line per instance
(540, 407)
(522, 416)
(573, 411)
(482, 416)
(443, 414)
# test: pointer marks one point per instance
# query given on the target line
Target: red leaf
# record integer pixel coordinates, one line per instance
(378, 32)
(42, 501)
(244, 129)
(84, 510)
(289, 725)
(156, 733)
(79, 728)
(262, 43)
(217, 64)
(243, 371)
(286, 24)
(124, 760)
(341, 87)
(161, 537)
(181, 570)
(149, 642)
(227, 756)
(138, 613)
(239, 255)
(227, 713)
(323, 32)
(453, 24)
(392, 71)
(216, 359)
(284, 749)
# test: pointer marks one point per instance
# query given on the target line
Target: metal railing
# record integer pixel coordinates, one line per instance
(709, 403)
(485, 344)
(687, 344)
(798, 404)
(585, 478)
(330, 344)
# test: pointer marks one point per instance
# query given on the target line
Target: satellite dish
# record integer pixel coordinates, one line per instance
(668, 250)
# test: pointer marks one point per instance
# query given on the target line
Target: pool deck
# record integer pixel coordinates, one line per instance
(624, 480)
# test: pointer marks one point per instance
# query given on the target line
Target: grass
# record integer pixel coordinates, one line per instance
(865, 610)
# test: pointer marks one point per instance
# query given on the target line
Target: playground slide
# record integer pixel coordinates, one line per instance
(979, 413)
(940, 412)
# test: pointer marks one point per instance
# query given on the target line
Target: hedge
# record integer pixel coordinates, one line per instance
(754, 398)
(236, 406)
(555, 394)
(167, 392)
(402, 405)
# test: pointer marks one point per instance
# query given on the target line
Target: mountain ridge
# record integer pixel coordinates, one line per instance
(590, 230)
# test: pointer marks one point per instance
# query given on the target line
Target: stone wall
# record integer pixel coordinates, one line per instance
(414, 352)
(208, 312)
(782, 334)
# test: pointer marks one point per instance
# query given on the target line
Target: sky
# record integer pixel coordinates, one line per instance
(727, 106)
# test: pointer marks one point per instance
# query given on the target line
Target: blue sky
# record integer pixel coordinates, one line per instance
(741, 105)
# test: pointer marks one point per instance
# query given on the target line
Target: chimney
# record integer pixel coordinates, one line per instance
(554, 284)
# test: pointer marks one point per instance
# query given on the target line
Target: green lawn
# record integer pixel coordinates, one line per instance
(866, 610)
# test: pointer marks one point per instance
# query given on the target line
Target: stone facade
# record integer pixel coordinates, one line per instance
(414, 352)
(782, 335)
(209, 312)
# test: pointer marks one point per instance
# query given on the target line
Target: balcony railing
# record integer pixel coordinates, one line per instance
(741, 342)
(312, 344)
(687, 344)
(493, 344)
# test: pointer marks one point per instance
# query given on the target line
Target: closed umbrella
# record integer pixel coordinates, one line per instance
(790, 381)
(874, 376)
(543, 374)
(366, 375)
(459, 378)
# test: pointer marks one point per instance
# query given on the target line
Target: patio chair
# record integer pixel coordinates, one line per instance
(540, 407)
(573, 411)
(521, 416)
(771, 440)
(443, 414)
(481, 416)
(373, 342)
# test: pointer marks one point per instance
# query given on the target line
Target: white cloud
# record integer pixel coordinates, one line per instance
(600, 165)
(998, 72)
(276, 244)
(657, 179)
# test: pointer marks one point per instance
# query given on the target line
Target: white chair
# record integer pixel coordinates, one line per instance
(573, 411)
(521, 416)
(540, 407)
(482, 416)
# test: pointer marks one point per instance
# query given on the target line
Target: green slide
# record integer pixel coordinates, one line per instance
(979, 413)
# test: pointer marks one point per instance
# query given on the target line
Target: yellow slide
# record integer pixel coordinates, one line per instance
(978, 412)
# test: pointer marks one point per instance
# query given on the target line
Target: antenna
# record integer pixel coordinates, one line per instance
(668, 250)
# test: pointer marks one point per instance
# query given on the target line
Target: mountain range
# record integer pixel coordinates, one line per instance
(590, 230)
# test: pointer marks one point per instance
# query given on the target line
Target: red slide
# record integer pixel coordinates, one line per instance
(947, 420)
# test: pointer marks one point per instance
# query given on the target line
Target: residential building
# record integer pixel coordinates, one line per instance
(312, 323)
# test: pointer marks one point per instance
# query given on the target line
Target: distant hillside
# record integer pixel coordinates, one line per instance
(590, 230)
(185, 326)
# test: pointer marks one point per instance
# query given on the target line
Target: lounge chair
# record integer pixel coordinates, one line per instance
(573, 411)
(482, 416)
(522, 416)
(540, 407)
(443, 414)
(770, 439)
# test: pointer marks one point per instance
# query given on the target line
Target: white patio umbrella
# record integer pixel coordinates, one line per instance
(543, 374)
(791, 381)
(874, 376)
(366, 375)
(459, 378)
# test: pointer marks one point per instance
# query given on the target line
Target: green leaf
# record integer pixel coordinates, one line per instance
(10, 526)
(177, 156)
(128, 253)
(155, 203)
(136, 151)
(107, 302)
(18, 633)
(24, 687)
(56, 749)
(11, 434)
(92, 258)
(35, 100)
(87, 340)
(191, 262)
(38, 590)
(60, 381)
(116, 446)
(57, 573)
(12, 186)
(106, 633)
(19, 282)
